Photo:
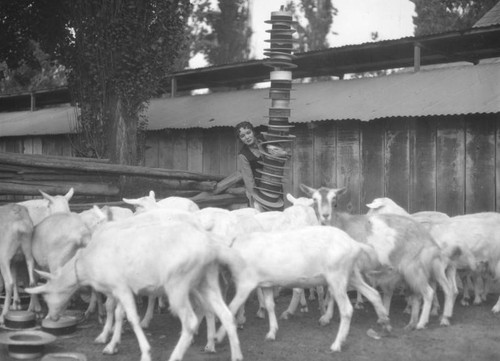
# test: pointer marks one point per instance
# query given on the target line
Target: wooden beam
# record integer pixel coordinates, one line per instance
(40, 161)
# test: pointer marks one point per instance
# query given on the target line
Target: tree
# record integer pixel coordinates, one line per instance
(115, 52)
(437, 16)
(319, 16)
(222, 36)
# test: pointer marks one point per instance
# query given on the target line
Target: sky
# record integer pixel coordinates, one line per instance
(354, 23)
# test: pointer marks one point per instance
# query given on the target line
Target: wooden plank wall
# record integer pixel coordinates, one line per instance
(450, 164)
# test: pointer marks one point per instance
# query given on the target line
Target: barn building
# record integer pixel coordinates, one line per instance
(426, 133)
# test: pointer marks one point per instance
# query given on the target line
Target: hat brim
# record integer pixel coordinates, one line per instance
(285, 136)
(277, 21)
(278, 64)
(260, 198)
(270, 183)
(281, 31)
(27, 337)
(64, 356)
(277, 176)
(272, 165)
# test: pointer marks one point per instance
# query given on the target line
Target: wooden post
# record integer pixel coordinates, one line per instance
(173, 87)
(33, 102)
(416, 57)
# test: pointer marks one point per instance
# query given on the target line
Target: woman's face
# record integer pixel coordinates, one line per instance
(246, 136)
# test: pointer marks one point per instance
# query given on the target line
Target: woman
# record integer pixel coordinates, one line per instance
(248, 157)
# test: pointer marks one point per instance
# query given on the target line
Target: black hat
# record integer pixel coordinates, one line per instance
(268, 199)
(279, 112)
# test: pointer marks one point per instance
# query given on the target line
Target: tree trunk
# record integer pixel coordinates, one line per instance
(122, 133)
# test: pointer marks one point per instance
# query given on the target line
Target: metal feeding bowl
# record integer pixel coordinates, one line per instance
(19, 320)
(64, 356)
(24, 299)
(26, 345)
(65, 325)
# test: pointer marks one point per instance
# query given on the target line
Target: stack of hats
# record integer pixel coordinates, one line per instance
(269, 193)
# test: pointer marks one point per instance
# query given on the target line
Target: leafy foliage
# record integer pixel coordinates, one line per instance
(115, 51)
(222, 36)
(437, 16)
(319, 16)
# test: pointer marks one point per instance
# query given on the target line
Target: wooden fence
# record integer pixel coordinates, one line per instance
(444, 163)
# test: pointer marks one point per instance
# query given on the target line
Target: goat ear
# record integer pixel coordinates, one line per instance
(152, 195)
(45, 275)
(341, 191)
(374, 204)
(307, 190)
(101, 213)
(69, 194)
(291, 198)
(45, 195)
(131, 201)
(37, 290)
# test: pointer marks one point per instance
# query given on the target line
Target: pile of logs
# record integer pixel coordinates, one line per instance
(100, 182)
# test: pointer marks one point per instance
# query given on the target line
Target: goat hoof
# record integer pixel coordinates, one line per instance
(409, 327)
(323, 321)
(110, 350)
(444, 322)
(304, 309)
(260, 313)
(285, 315)
(101, 339)
(209, 349)
(270, 337)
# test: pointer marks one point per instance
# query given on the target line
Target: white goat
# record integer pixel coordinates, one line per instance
(38, 210)
(149, 202)
(41, 208)
(176, 204)
(299, 214)
(402, 249)
(478, 235)
(386, 205)
(57, 238)
(306, 257)
(126, 258)
(16, 230)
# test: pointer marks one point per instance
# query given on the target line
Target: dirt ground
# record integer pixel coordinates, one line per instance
(473, 335)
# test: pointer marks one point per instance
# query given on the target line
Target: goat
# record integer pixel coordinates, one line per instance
(57, 238)
(174, 258)
(17, 228)
(39, 209)
(466, 263)
(309, 256)
(478, 235)
(149, 202)
(402, 249)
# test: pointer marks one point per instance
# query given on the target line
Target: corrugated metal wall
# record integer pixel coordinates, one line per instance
(440, 163)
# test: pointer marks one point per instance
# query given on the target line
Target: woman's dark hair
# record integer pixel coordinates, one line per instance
(246, 125)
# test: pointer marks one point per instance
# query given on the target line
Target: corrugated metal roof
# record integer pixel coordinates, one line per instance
(58, 120)
(445, 91)
(455, 90)
(492, 17)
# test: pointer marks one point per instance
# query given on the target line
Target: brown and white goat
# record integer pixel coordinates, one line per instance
(401, 250)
